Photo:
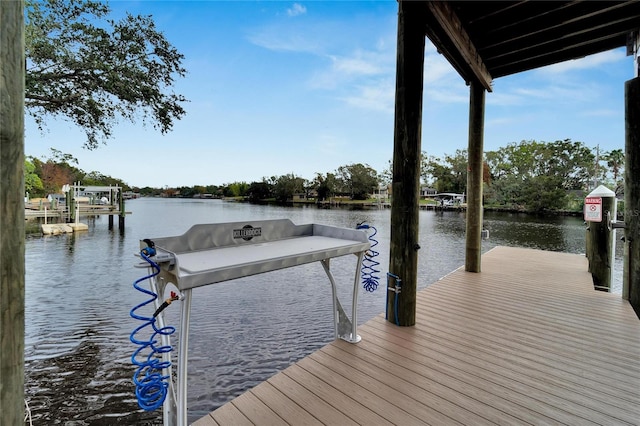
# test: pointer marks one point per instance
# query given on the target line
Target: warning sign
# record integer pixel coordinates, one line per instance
(593, 209)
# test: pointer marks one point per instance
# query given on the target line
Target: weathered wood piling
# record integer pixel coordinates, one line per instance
(631, 289)
(473, 251)
(12, 269)
(403, 258)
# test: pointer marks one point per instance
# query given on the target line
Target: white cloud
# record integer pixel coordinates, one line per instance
(601, 113)
(446, 95)
(502, 121)
(522, 90)
(361, 67)
(503, 99)
(560, 93)
(356, 65)
(288, 41)
(377, 96)
(592, 61)
(437, 69)
(360, 73)
(296, 9)
(329, 144)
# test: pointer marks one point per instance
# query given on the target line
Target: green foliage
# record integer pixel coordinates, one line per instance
(386, 176)
(544, 192)
(448, 175)
(326, 186)
(56, 171)
(358, 180)
(98, 179)
(259, 191)
(615, 172)
(48, 176)
(186, 192)
(537, 176)
(32, 182)
(93, 70)
(236, 189)
(286, 186)
(147, 191)
(615, 160)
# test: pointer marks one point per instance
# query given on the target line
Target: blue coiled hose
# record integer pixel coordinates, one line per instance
(369, 266)
(151, 385)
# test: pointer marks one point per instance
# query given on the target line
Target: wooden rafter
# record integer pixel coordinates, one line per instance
(454, 30)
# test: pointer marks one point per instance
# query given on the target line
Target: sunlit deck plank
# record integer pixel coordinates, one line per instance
(527, 341)
(503, 370)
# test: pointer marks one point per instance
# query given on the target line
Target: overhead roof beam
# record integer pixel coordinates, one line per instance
(452, 27)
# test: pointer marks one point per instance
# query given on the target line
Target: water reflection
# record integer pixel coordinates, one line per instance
(553, 233)
(79, 293)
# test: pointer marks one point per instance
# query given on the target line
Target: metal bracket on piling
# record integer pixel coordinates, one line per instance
(614, 224)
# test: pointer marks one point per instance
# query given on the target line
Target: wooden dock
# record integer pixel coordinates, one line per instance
(527, 341)
(63, 213)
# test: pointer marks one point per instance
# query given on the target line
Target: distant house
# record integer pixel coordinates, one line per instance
(427, 192)
(382, 193)
(205, 195)
(312, 194)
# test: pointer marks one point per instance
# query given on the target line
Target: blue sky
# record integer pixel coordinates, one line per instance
(278, 87)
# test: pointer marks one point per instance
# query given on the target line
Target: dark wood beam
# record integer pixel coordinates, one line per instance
(454, 30)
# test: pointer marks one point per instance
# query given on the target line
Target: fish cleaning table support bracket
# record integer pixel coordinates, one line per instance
(212, 253)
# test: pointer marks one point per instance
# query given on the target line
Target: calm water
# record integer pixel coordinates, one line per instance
(79, 293)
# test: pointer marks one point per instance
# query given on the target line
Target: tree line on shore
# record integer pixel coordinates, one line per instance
(527, 176)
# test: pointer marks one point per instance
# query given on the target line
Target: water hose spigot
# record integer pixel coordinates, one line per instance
(150, 249)
(397, 288)
(174, 297)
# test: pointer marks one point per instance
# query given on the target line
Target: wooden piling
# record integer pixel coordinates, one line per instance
(122, 211)
(631, 289)
(473, 247)
(404, 246)
(72, 206)
(12, 270)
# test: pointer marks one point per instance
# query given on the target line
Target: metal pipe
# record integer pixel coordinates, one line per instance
(334, 295)
(354, 301)
(168, 415)
(182, 358)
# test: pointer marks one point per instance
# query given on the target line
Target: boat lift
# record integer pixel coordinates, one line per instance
(212, 253)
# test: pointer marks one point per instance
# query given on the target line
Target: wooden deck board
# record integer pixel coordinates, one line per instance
(526, 341)
(501, 335)
(557, 339)
(283, 406)
(501, 371)
(498, 404)
(307, 399)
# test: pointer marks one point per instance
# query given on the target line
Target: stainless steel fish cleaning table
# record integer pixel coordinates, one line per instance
(212, 253)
